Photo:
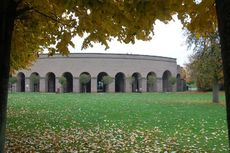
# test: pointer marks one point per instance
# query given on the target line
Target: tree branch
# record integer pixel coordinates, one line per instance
(47, 16)
(56, 19)
(23, 10)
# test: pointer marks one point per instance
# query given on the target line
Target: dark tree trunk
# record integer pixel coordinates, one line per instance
(223, 15)
(215, 90)
(11, 87)
(7, 16)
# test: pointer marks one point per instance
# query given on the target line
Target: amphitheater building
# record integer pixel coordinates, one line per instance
(127, 73)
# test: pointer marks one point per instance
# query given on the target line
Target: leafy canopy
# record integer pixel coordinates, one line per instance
(84, 78)
(52, 24)
(151, 80)
(205, 66)
(107, 80)
(62, 80)
(34, 78)
(12, 80)
(172, 80)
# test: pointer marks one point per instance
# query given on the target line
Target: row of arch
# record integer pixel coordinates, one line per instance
(135, 82)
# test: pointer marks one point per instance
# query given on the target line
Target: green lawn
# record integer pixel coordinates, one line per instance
(147, 122)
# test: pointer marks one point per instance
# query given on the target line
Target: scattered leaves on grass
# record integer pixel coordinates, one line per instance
(77, 140)
(114, 123)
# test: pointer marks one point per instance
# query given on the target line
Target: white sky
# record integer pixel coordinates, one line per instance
(168, 41)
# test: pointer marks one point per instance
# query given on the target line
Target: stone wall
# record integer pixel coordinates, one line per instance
(94, 64)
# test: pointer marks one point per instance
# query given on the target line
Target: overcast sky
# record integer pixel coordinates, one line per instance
(168, 41)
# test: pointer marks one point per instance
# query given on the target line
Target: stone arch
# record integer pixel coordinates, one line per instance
(178, 83)
(120, 82)
(35, 84)
(20, 82)
(151, 84)
(167, 87)
(69, 82)
(100, 86)
(87, 86)
(136, 82)
(50, 82)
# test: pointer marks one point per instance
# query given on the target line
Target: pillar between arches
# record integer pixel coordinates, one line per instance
(76, 85)
(42, 84)
(128, 86)
(58, 85)
(144, 85)
(27, 85)
(93, 84)
(112, 86)
(159, 85)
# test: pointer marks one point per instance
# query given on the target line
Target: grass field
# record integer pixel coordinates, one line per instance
(147, 122)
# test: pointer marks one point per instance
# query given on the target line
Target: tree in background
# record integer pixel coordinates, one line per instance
(37, 27)
(106, 80)
(205, 66)
(12, 81)
(189, 80)
(84, 79)
(34, 81)
(151, 81)
(181, 80)
(182, 73)
(63, 81)
(131, 81)
(172, 80)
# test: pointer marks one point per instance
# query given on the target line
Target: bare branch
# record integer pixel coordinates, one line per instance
(47, 16)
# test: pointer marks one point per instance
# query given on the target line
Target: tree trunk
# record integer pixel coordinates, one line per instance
(223, 15)
(11, 88)
(215, 90)
(7, 16)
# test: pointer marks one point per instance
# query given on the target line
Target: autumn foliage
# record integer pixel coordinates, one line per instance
(53, 27)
